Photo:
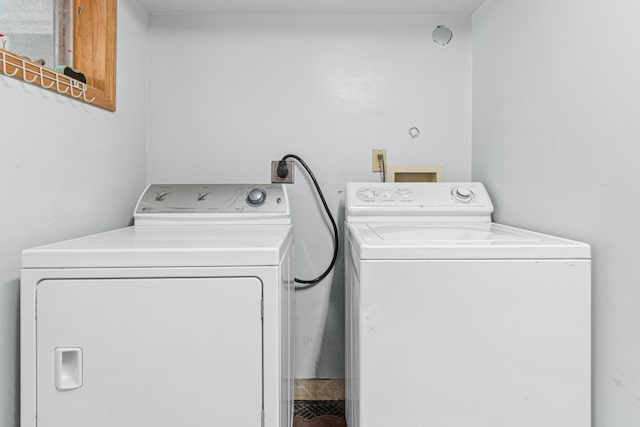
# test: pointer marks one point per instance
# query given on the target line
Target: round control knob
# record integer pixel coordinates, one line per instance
(256, 197)
(404, 193)
(369, 194)
(463, 194)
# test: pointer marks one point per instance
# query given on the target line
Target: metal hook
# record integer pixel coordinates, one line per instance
(67, 87)
(73, 94)
(35, 75)
(43, 79)
(58, 85)
(4, 66)
(84, 96)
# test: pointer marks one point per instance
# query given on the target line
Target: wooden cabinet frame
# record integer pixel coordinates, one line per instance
(95, 28)
(94, 40)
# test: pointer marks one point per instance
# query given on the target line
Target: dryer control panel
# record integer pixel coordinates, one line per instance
(431, 201)
(198, 203)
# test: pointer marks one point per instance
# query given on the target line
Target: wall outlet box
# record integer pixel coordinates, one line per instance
(4, 43)
(379, 163)
(275, 179)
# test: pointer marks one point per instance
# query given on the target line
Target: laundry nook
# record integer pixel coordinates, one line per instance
(336, 213)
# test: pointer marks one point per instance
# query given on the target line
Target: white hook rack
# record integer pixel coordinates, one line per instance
(48, 78)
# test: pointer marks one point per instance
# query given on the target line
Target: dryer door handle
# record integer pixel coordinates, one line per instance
(68, 368)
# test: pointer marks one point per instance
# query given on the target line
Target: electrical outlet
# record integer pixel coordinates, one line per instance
(275, 179)
(376, 162)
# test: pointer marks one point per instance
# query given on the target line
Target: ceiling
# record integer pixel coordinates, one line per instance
(424, 7)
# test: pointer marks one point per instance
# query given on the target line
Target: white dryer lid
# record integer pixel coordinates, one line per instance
(167, 246)
(391, 241)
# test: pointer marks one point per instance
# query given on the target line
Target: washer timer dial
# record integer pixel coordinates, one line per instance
(463, 194)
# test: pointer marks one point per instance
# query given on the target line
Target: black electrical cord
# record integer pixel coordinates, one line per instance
(283, 172)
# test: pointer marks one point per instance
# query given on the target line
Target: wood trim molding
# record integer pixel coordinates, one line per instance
(94, 35)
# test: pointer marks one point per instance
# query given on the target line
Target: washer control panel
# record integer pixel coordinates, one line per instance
(437, 199)
(452, 195)
(213, 199)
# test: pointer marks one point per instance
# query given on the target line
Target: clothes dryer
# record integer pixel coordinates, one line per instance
(453, 320)
(183, 319)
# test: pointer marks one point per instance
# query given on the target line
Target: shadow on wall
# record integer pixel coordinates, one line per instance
(332, 352)
(10, 353)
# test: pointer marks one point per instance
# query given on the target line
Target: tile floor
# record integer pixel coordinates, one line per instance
(319, 413)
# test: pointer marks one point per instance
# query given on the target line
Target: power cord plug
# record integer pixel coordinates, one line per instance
(283, 169)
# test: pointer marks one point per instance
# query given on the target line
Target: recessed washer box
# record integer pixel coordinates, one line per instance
(415, 173)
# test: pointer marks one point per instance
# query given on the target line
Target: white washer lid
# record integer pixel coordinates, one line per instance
(167, 246)
(390, 241)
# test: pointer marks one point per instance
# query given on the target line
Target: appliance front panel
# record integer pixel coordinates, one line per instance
(149, 352)
(481, 343)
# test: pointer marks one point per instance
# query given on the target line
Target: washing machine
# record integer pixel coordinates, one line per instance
(456, 321)
(183, 319)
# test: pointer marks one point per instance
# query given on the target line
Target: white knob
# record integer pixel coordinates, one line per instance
(369, 194)
(463, 194)
(463, 191)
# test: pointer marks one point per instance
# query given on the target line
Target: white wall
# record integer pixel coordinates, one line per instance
(66, 169)
(556, 134)
(230, 93)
